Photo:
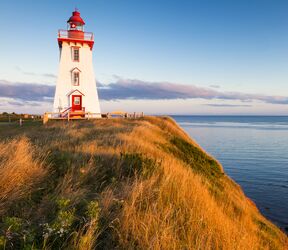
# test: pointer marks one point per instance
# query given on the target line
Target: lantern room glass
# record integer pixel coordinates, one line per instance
(74, 26)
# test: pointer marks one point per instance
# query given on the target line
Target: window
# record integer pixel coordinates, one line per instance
(76, 78)
(75, 54)
(76, 100)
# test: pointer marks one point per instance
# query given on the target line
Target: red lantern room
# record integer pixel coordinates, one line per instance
(75, 22)
(76, 26)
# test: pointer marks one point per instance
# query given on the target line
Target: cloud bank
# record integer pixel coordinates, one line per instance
(26, 91)
(136, 89)
(224, 105)
(127, 89)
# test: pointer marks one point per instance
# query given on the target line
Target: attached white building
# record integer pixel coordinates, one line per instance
(76, 90)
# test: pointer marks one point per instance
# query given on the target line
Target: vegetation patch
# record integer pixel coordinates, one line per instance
(137, 165)
(195, 158)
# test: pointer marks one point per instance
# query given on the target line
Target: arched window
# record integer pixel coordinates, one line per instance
(75, 76)
(76, 80)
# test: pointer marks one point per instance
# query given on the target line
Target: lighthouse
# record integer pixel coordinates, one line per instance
(76, 91)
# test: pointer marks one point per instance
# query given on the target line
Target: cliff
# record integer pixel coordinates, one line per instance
(125, 184)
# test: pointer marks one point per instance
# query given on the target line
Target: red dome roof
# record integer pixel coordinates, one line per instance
(76, 18)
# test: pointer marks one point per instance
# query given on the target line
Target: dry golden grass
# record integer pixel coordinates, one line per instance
(21, 168)
(175, 210)
(156, 189)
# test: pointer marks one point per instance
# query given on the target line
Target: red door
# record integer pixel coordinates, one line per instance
(76, 102)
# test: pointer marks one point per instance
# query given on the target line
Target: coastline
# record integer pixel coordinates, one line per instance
(232, 140)
(145, 178)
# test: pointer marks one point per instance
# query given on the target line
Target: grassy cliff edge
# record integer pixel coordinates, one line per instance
(121, 184)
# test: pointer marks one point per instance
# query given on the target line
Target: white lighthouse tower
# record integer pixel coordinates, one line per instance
(76, 91)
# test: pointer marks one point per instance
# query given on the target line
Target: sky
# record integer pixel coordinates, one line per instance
(161, 57)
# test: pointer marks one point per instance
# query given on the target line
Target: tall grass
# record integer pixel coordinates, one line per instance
(125, 184)
(21, 168)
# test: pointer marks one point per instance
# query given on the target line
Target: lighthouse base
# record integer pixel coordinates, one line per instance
(88, 116)
(71, 115)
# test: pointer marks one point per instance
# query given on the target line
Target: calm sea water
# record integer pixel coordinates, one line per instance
(253, 151)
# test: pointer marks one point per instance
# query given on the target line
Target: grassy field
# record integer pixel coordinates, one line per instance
(121, 184)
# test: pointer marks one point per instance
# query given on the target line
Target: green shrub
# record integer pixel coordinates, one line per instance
(93, 210)
(13, 224)
(198, 160)
(137, 164)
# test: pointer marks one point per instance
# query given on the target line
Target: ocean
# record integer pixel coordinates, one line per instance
(253, 151)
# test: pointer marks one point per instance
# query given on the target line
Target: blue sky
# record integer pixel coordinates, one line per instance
(197, 57)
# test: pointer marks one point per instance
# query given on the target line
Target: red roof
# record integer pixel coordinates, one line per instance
(75, 90)
(76, 18)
